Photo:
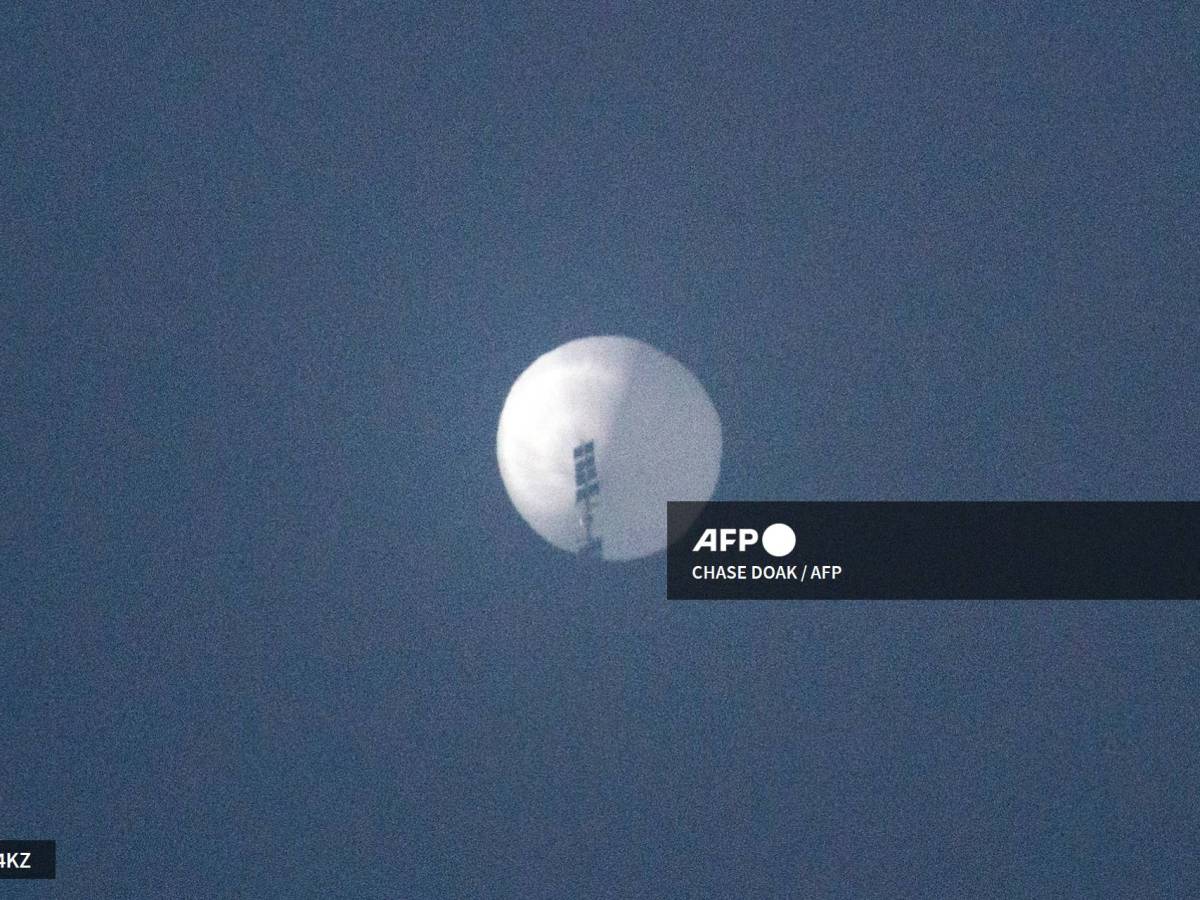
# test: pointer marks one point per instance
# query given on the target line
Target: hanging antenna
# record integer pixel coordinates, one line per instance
(587, 496)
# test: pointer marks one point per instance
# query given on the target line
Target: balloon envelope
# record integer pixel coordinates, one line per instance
(656, 435)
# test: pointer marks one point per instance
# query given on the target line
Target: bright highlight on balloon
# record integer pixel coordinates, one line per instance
(594, 439)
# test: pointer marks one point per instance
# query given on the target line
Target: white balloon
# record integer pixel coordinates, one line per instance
(657, 438)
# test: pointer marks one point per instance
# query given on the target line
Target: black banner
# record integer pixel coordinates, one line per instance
(934, 550)
(27, 859)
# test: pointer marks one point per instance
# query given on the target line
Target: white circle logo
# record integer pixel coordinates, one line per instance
(779, 539)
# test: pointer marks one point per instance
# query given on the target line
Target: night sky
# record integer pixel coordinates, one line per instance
(270, 625)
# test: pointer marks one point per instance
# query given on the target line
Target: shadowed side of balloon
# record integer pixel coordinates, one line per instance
(669, 441)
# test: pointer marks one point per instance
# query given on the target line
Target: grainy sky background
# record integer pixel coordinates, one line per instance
(270, 625)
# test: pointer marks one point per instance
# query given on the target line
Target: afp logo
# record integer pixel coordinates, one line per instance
(777, 539)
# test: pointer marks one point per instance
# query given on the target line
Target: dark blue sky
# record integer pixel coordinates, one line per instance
(272, 628)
